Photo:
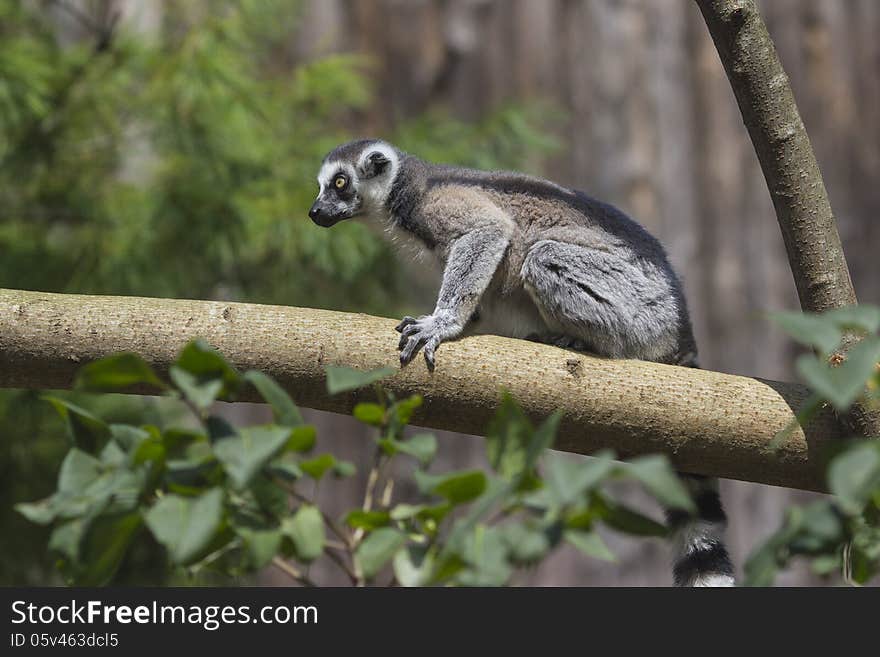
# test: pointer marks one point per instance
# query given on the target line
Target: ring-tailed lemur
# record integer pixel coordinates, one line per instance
(527, 258)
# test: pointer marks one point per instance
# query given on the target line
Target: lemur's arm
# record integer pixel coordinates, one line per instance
(472, 261)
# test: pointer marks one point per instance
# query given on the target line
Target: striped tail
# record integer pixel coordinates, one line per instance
(701, 558)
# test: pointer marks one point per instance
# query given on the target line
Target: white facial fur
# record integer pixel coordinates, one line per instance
(328, 172)
(330, 169)
(375, 191)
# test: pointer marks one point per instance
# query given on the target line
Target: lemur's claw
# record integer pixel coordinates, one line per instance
(406, 321)
(430, 348)
(405, 334)
(428, 332)
(413, 344)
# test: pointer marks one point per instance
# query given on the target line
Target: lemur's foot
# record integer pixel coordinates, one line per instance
(559, 340)
(426, 333)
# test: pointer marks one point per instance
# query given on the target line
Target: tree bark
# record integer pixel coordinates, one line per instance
(709, 423)
(803, 210)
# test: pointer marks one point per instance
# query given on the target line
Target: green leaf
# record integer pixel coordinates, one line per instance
(201, 393)
(42, 512)
(202, 360)
(590, 543)
(260, 545)
(854, 476)
(202, 374)
(344, 379)
(656, 474)
(286, 467)
(811, 330)
(129, 438)
(218, 428)
(87, 487)
(244, 454)
(112, 455)
(567, 478)
(763, 563)
(318, 466)
(821, 529)
(367, 519)
(627, 521)
(343, 469)
(858, 318)
(422, 446)
(498, 491)
(86, 431)
(508, 438)
(413, 566)
(116, 373)
(423, 512)
(456, 487)
(104, 547)
(761, 567)
(843, 384)
(78, 471)
(283, 408)
(306, 529)
(193, 476)
(185, 525)
(826, 564)
(270, 497)
(372, 414)
(404, 409)
(119, 489)
(525, 545)
(150, 451)
(809, 409)
(176, 440)
(67, 538)
(582, 516)
(377, 549)
(863, 566)
(485, 552)
(543, 438)
(302, 438)
(406, 511)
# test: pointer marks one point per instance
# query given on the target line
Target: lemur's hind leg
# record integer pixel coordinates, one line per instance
(626, 309)
(617, 306)
(560, 340)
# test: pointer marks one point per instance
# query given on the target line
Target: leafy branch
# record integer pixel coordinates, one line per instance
(229, 499)
(841, 534)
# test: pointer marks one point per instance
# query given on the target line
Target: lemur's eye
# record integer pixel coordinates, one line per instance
(340, 182)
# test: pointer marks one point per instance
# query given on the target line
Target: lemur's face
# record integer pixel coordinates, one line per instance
(354, 180)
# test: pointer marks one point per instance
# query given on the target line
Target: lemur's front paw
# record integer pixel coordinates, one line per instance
(425, 332)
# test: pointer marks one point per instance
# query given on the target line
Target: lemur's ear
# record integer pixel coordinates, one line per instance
(375, 164)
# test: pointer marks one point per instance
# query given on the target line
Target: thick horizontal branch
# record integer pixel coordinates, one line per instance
(709, 423)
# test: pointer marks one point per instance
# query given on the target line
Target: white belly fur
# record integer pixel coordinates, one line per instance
(513, 316)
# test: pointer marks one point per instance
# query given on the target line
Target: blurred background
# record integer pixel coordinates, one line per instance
(168, 148)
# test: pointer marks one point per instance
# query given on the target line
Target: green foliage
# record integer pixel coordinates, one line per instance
(184, 162)
(841, 534)
(231, 499)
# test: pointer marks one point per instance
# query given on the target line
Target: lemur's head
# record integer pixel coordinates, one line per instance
(355, 179)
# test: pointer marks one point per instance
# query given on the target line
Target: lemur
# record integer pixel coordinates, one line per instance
(524, 257)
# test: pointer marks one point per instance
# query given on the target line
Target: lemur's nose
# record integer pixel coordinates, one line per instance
(314, 211)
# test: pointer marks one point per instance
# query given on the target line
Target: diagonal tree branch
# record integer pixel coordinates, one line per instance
(800, 199)
(710, 423)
